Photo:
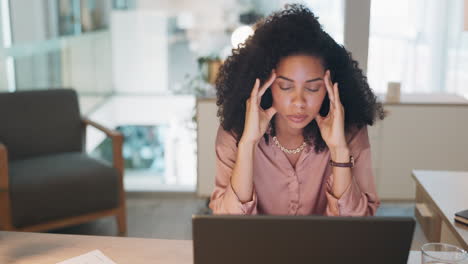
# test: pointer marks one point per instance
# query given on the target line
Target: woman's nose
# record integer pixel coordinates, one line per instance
(299, 100)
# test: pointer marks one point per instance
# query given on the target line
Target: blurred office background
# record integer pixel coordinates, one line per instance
(144, 66)
(135, 65)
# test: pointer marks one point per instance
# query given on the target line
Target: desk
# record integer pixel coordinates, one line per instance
(41, 248)
(439, 195)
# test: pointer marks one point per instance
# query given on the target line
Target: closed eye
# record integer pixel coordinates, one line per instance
(285, 88)
(313, 90)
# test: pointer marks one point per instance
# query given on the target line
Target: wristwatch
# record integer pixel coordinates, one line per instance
(349, 164)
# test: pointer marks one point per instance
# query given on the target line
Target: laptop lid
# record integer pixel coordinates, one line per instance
(263, 239)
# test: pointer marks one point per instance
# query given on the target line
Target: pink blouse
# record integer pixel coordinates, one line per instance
(281, 189)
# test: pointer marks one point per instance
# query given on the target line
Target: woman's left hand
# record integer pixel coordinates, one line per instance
(332, 126)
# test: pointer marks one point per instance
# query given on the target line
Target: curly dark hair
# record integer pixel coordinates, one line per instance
(292, 31)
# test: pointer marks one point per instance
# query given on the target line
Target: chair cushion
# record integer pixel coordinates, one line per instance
(40, 122)
(63, 185)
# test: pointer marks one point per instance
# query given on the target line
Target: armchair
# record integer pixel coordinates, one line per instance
(47, 180)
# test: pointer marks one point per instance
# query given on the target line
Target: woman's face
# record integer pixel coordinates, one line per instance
(299, 90)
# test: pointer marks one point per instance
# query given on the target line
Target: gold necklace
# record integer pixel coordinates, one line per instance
(289, 151)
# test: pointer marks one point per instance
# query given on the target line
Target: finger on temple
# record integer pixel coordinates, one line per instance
(268, 83)
(328, 84)
(337, 93)
(255, 88)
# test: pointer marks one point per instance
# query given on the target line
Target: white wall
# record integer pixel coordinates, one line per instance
(29, 23)
(3, 77)
(207, 8)
(210, 21)
(1, 25)
(86, 63)
(139, 52)
(421, 137)
(207, 127)
(356, 30)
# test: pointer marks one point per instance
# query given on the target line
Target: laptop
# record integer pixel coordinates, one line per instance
(266, 239)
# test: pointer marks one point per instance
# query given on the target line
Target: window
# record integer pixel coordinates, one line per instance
(420, 44)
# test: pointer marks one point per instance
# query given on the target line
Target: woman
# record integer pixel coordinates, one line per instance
(294, 109)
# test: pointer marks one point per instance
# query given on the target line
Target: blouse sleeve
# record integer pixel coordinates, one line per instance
(223, 199)
(360, 198)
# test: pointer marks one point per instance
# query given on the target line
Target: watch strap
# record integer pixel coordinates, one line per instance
(349, 164)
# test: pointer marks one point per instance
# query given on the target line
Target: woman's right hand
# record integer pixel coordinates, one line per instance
(256, 118)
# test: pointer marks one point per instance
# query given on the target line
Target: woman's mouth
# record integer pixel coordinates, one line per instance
(297, 118)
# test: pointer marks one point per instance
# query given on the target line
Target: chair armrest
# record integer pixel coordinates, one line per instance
(117, 143)
(109, 132)
(117, 157)
(4, 179)
(5, 211)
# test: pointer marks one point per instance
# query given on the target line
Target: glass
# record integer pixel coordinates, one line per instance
(38, 71)
(39, 48)
(435, 253)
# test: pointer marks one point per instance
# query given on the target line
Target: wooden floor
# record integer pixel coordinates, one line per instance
(168, 215)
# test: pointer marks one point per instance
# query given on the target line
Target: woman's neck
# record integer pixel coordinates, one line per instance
(287, 136)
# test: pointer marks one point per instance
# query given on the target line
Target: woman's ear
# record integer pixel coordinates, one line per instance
(325, 106)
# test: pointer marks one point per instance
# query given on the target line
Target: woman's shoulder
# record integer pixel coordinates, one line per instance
(357, 138)
(225, 138)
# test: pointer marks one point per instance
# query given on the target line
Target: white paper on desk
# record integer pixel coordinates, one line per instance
(93, 257)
